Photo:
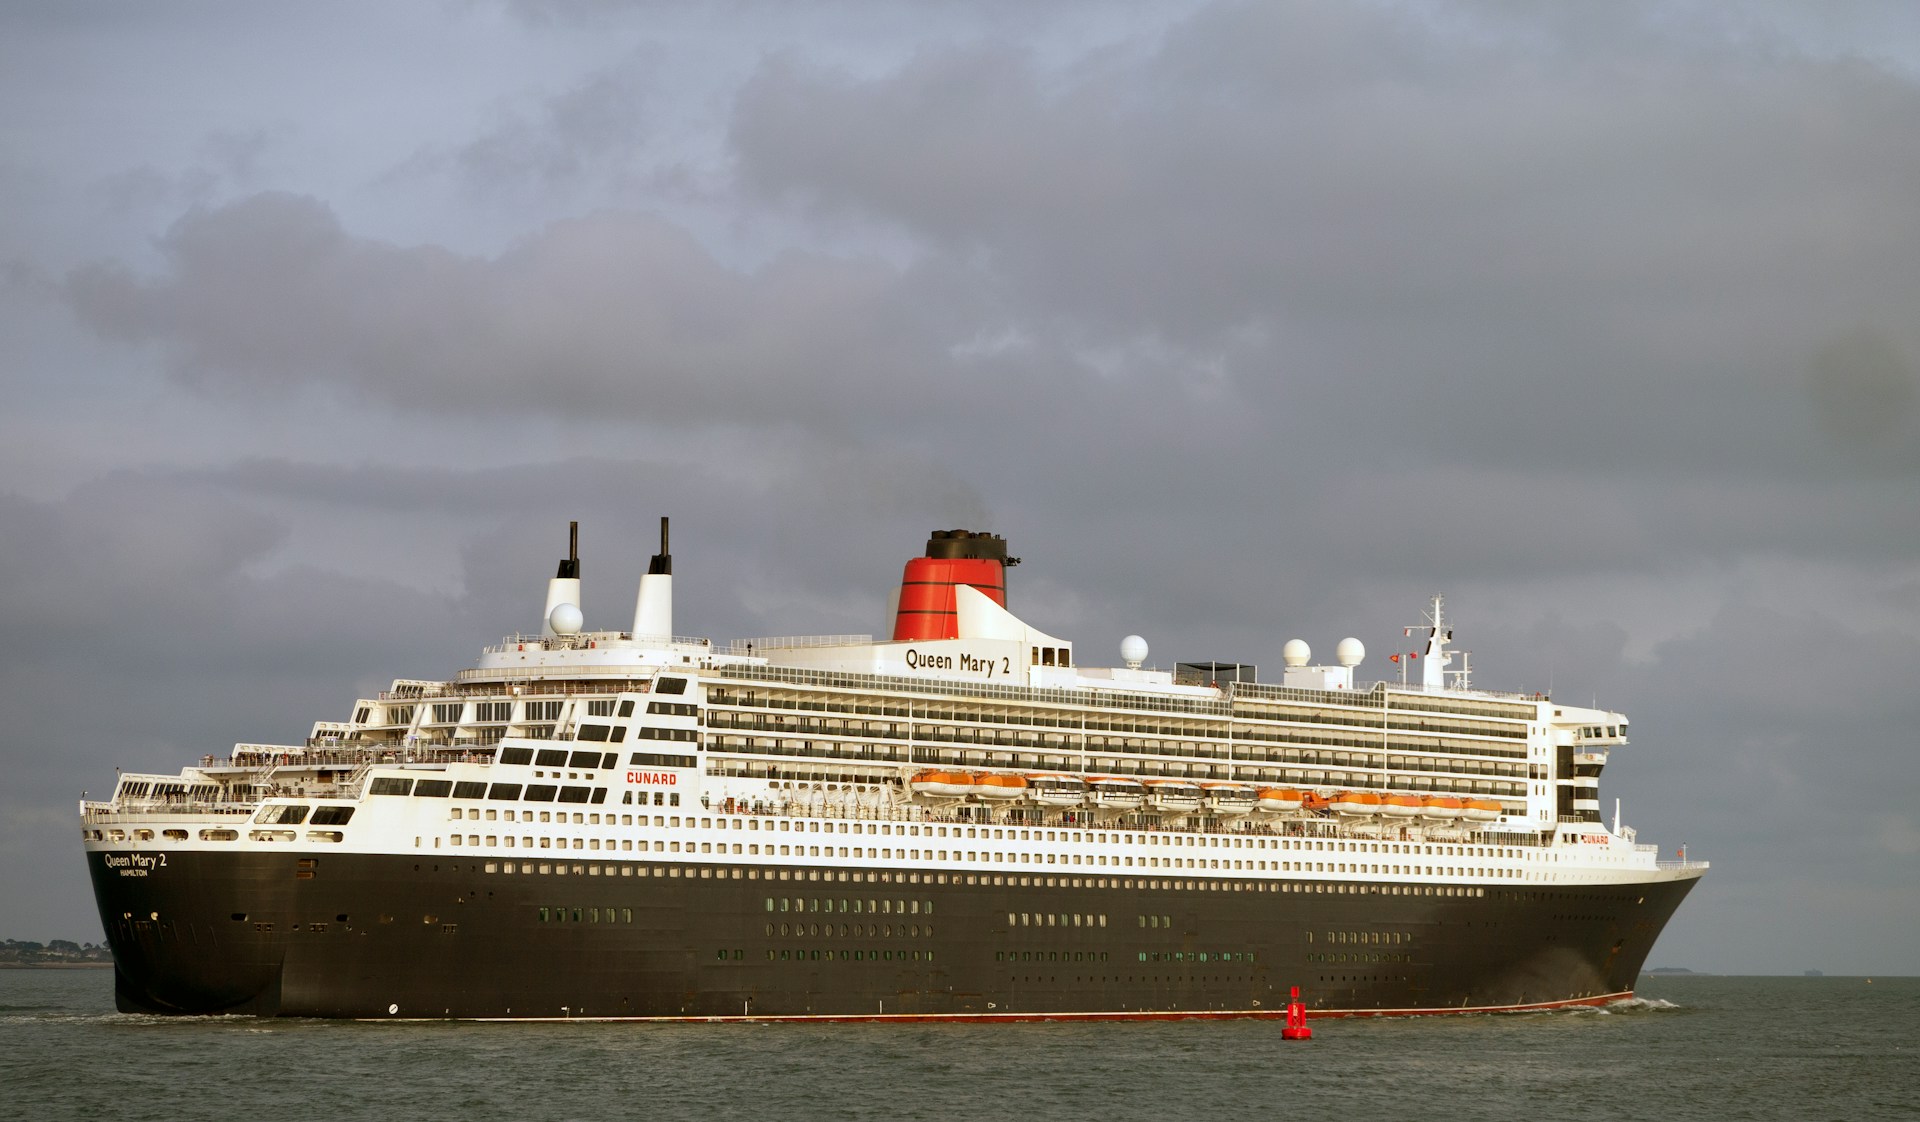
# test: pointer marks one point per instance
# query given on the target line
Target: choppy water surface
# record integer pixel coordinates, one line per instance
(1689, 1048)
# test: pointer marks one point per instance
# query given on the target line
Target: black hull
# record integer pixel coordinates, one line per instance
(379, 936)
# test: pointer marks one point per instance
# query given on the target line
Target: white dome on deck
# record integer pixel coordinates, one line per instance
(565, 619)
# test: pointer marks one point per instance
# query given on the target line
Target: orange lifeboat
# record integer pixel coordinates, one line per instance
(1443, 807)
(1400, 806)
(1313, 800)
(1482, 810)
(1355, 803)
(994, 786)
(1279, 800)
(942, 784)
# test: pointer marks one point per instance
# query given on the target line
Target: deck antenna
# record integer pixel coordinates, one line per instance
(1463, 677)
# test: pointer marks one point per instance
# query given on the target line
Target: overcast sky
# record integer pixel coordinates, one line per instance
(1241, 322)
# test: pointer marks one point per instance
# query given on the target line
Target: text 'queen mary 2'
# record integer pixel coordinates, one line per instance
(958, 821)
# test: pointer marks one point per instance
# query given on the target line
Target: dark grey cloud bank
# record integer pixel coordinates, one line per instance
(1242, 322)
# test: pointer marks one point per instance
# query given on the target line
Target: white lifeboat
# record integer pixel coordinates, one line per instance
(1057, 790)
(1115, 792)
(1177, 795)
(942, 784)
(1279, 800)
(1482, 810)
(1001, 787)
(1355, 803)
(1229, 798)
(1442, 808)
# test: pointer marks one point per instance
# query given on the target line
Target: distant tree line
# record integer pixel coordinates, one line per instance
(54, 952)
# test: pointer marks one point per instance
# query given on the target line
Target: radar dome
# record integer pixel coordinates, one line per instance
(1296, 652)
(565, 619)
(1133, 651)
(1350, 651)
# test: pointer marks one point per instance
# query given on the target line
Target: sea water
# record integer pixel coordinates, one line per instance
(1689, 1047)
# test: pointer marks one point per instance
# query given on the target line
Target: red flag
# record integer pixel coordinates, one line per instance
(1413, 654)
(1393, 658)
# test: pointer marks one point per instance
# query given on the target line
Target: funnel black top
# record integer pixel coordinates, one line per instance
(570, 568)
(662, 563)
(969, 543)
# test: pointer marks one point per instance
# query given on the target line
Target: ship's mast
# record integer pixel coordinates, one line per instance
(1433, 670)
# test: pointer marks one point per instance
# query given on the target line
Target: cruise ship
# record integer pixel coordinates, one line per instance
(958, 821)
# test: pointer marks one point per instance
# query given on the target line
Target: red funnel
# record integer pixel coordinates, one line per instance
(928, 607)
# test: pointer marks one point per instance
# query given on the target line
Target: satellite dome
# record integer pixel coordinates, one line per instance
(1350, 651)
(1133, 651)
(1296, 652)
(565, 619)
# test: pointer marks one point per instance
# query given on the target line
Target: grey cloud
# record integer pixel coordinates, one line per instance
(238, 153)
(101, 552)
(620, 313)
(1863, 387)
(1649, 232)
(598, 125)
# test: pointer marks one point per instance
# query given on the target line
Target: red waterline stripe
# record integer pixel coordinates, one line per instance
(990, 1018)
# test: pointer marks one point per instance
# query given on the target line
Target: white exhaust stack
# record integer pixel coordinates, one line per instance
(562, 615)
(653, 612)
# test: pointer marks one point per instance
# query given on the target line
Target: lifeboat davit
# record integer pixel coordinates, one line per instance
(1400, 806)
(1442, 807)
(1482, 810)
(1057, 790)
(1174, 794)
(1116, 793)
(1279, 800)
(1229, 798)
(1355, 803)
(942, 784)
(994, 786)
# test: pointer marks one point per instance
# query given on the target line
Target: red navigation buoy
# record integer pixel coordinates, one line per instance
(1296, 1019)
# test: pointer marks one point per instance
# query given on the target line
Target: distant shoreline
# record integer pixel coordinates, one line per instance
(55, 965)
